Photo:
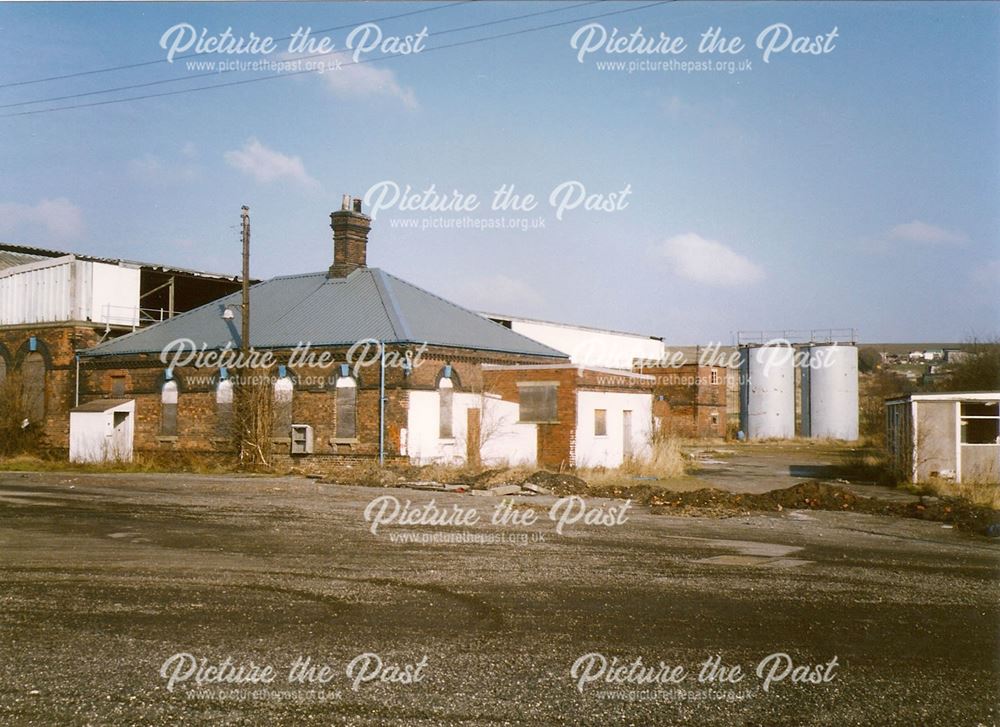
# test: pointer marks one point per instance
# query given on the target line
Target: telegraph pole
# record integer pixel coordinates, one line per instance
(245, 310)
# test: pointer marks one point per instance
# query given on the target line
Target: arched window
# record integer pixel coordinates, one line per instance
(223, 406)
(446, 393)
(347, 404)
(284, 390)
(33, 383)
(168, 409)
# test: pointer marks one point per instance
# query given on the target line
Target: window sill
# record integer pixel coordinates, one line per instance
(450, 441)
(166, 438)
(346, 440)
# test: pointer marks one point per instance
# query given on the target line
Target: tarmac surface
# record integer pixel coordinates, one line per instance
(119, 591)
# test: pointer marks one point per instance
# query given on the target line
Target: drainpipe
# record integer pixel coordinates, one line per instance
(77, 382)
(381, 405)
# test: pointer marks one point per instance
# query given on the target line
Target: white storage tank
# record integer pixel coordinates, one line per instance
(830, 393)
(767, 392)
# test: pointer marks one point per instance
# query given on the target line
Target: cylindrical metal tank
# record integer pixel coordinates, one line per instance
(767, 396)
(830, 383)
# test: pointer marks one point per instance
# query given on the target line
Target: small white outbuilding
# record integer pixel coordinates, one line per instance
(102, 431)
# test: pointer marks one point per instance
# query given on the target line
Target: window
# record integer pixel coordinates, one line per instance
(446, 391)
(538, 402)
(347, 400)
(117, 387)
(3, 370)
(600, 422)
(168, 409)
(33, 381)
(282, 422)
(713, 377)
(224, 408)
(980, 422)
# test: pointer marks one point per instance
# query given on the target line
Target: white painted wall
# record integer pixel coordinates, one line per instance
(600, 349)
(67, 289)
(93, 438)
(508, 442)
(608, 450)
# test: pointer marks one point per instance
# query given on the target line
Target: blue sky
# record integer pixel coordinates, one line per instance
(853, 188)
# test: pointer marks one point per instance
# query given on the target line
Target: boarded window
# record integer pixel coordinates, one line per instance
(224, 408)
(538, 402)
(600, 422)
(347, 400)
(168, 409)
(117, 387)
(33, 393)
(3, 370)
(282, 422)
(446, 396)
(980, 422)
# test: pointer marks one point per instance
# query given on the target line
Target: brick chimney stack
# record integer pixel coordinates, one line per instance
(350, 238)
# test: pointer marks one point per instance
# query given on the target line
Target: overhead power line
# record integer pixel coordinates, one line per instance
(291, 74)
(157, 61)
(179, 79)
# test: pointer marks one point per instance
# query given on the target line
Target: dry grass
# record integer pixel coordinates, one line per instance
(665, 461)
(195, 463)
(986, 494)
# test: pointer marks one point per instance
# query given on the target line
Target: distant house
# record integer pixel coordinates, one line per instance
(952, 436)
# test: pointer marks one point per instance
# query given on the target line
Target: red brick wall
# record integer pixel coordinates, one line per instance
(684, 399)
(313, 403)
(57, 344)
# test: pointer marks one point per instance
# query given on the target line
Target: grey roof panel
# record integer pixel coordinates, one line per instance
(312, 308)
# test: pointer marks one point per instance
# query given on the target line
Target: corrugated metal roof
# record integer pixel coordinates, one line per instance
(11, 259)
(33, 254)
(311, 308)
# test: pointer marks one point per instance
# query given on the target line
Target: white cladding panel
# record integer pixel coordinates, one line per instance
(115, 295)
(833, 392)
(769, 392)
(67, 289)
(601, 349)
(608, 450)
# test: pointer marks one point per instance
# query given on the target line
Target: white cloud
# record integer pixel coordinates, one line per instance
(708, 261)
(499, 293)
(267, 165)
(351, 80)
(59, 217)
(924, 233)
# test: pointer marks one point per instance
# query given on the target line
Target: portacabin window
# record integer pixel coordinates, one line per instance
(980, 422)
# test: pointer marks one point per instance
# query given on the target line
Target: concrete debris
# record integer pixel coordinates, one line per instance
(536, 489)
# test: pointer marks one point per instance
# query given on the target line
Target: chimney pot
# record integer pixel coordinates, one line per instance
(345, 202)
(357, 204)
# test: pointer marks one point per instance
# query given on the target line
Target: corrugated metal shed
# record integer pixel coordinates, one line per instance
(314, 309)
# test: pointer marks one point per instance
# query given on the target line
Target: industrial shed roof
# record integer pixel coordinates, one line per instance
(312, 308)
